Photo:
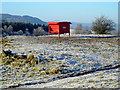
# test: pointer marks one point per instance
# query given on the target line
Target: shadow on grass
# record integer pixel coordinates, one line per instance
(68, 75)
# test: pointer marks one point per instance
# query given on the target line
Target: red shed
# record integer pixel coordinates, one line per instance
(59, 27)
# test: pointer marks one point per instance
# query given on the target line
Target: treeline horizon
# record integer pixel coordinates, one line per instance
(14, 28)
(102, 25)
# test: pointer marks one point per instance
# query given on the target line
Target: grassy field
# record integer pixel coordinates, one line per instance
(28, 59)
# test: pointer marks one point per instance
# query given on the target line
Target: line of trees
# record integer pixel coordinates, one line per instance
(21, 28)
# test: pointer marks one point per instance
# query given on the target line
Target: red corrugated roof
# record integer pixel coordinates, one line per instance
(57, 22)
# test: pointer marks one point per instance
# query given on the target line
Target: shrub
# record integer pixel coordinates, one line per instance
(103, 25)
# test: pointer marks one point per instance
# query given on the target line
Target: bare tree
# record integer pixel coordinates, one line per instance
(1, 31)
(78, 28)
(103, 25)
(20, 32)
(10, 30)
(35, 32)
(82, 30)
(5, 28)
(39, 31)
(4, 31)
(86, 30)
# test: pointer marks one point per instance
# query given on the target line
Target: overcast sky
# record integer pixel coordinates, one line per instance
(83, 12)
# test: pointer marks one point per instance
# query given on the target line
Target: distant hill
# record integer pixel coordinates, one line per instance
(30, 19)
(17, 18)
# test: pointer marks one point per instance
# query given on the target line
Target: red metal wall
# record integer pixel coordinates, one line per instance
(60, 28)
(54, 28)
(64, 28)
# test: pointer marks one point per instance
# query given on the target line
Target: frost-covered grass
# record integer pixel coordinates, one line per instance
(101, 79)
(57, 57)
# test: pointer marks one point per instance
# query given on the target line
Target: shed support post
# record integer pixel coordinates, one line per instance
(58, 35)
(69, 34)
(48, 30)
